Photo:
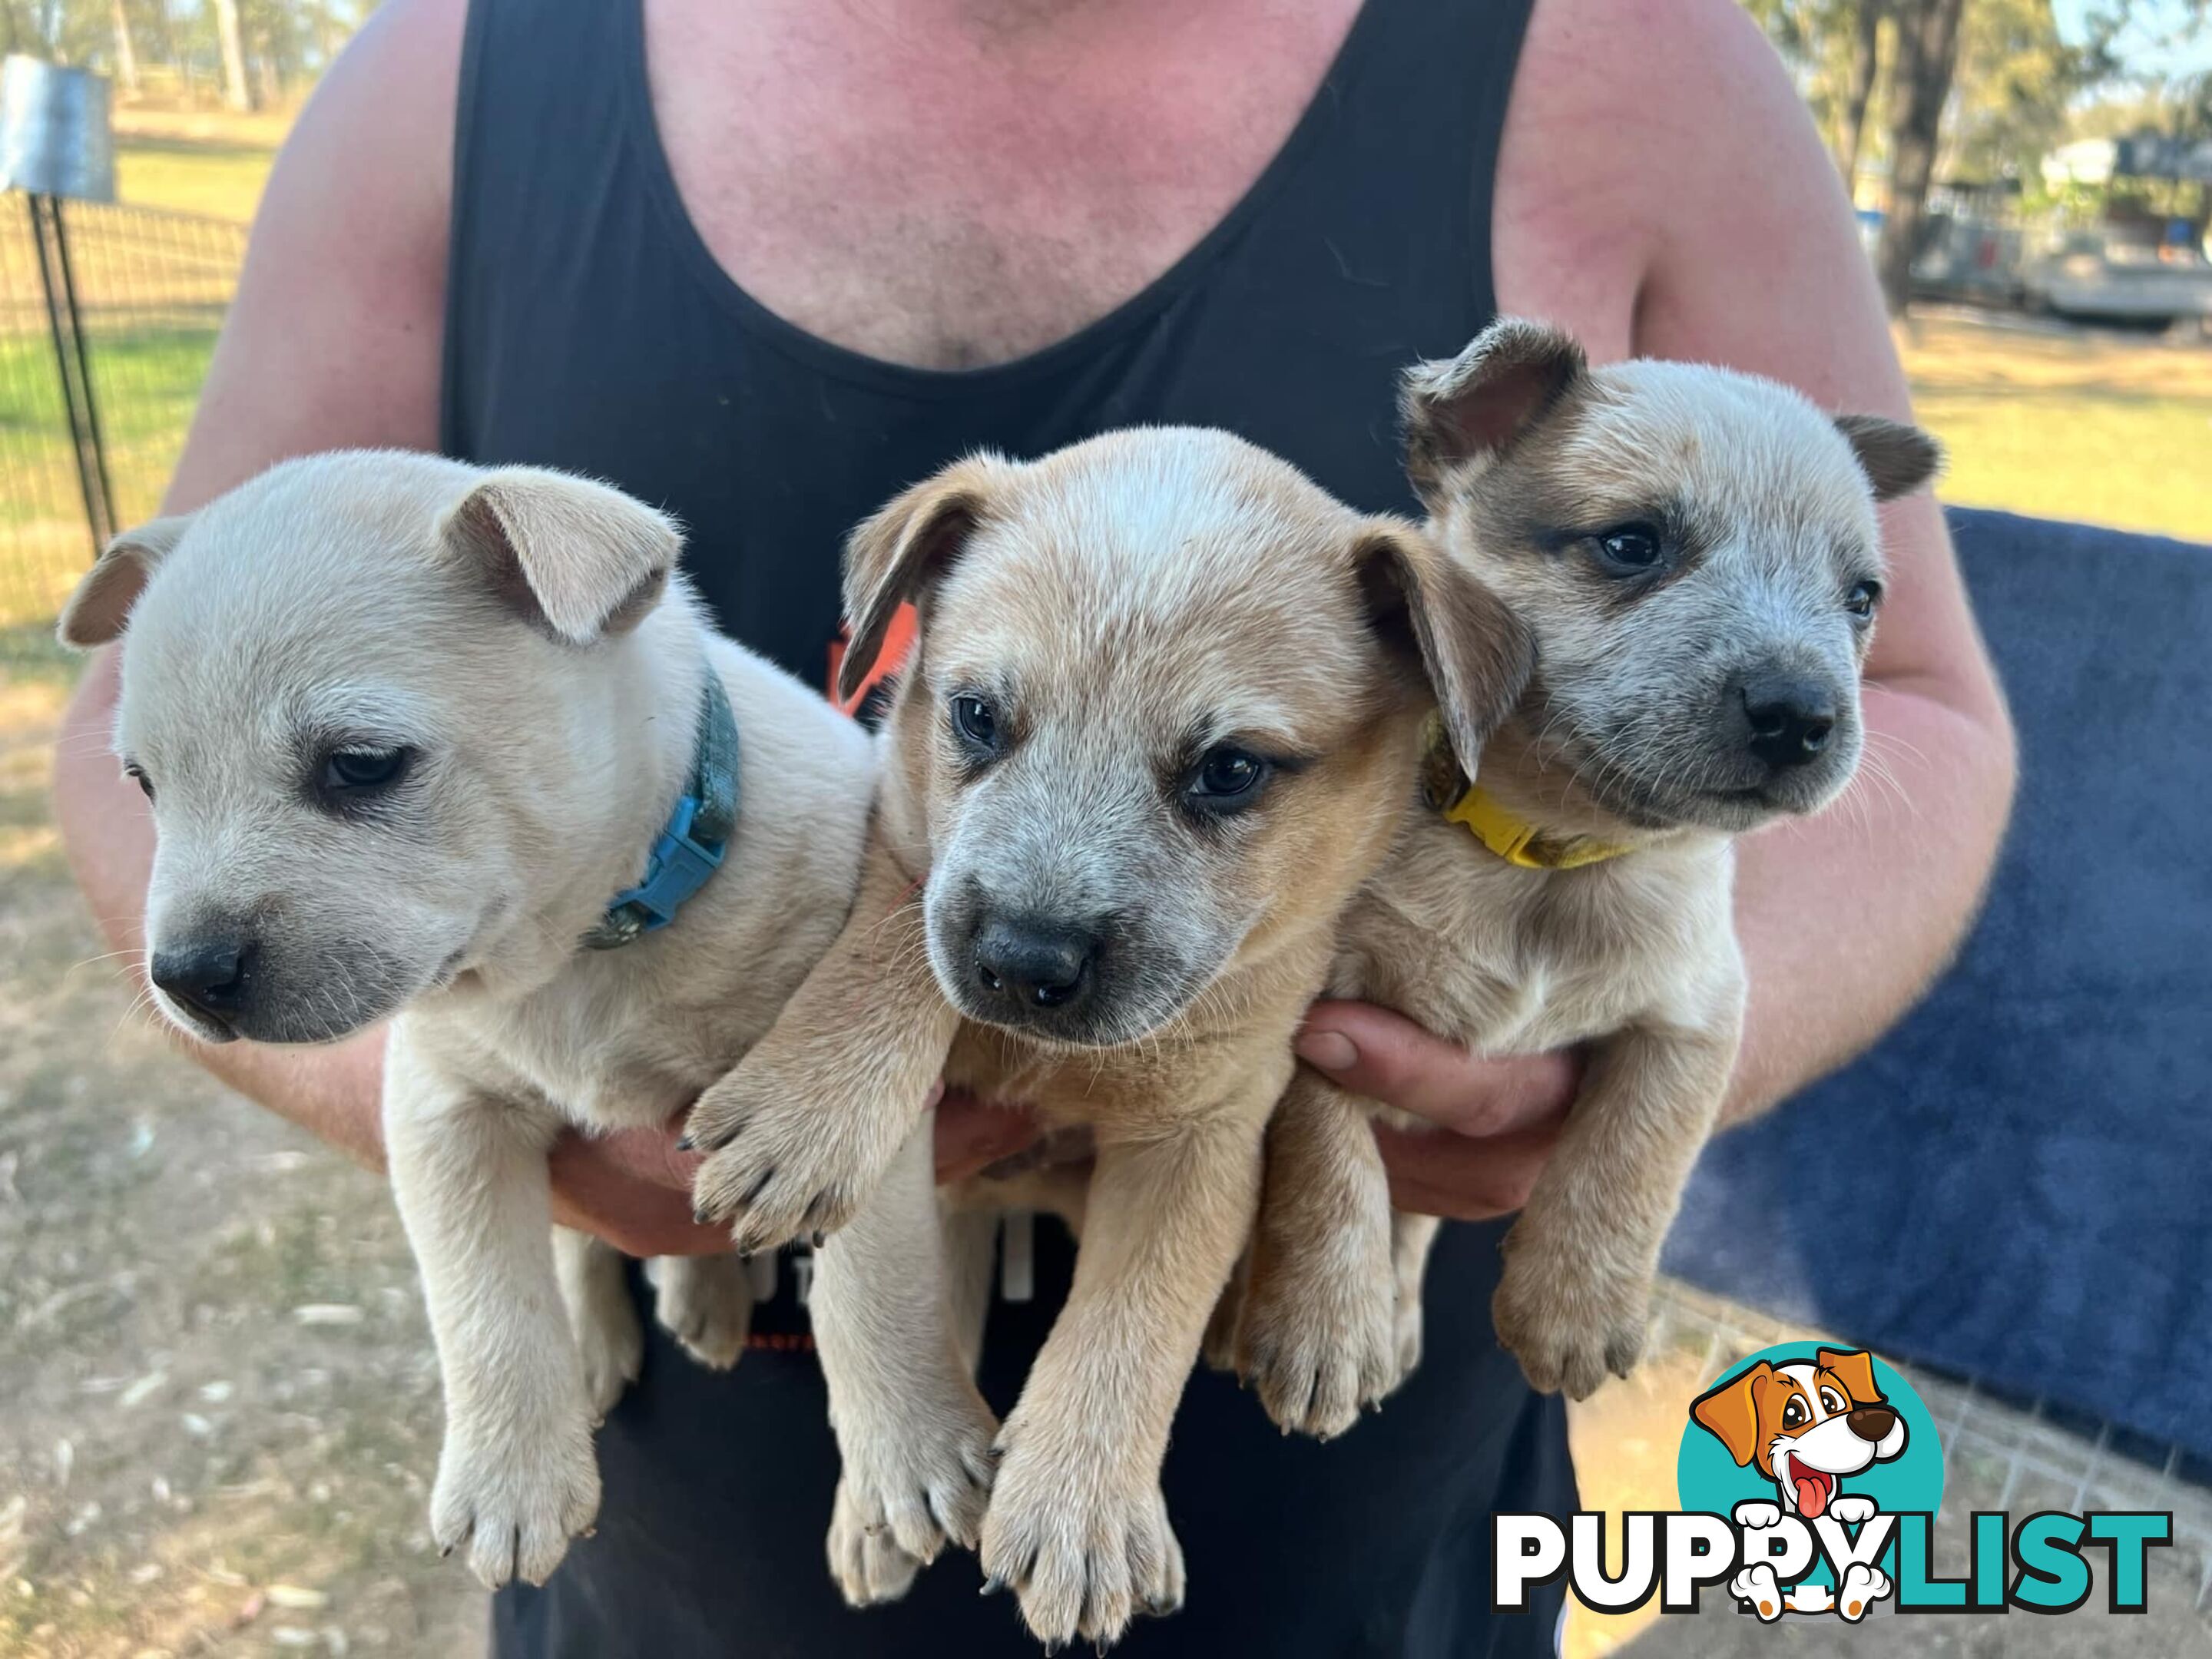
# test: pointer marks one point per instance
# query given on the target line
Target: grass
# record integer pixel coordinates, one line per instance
(205, 163)
(146, 381)
(222, 181)
(2102, 426)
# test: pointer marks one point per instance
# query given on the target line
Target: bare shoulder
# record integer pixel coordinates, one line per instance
(334, 337)
(1659, 175)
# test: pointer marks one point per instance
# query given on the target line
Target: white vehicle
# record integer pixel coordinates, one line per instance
(2094, 275)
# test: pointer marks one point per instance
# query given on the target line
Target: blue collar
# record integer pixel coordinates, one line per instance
(689, 848)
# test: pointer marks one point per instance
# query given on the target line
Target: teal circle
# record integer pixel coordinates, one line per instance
(1706, 1478)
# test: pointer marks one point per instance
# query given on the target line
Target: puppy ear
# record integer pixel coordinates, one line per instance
(1896, 457)
(1475, 653)
(1730, 1412)
(577, 560)
(1857, 1371)
(1513, 374)
(98, 612)
(891, 557)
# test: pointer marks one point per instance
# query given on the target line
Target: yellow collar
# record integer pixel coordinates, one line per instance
(1504, 832)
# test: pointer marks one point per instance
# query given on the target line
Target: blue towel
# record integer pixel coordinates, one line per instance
(2016, 1185)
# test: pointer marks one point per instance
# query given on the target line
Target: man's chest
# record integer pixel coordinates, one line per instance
(960, 195)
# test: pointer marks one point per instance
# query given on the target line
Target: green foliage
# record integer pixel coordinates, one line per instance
(2016, 80)
(287, 42)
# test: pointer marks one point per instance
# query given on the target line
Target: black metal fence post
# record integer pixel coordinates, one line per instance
(66, 323)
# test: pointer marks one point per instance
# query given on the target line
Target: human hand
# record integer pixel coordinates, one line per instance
(633, 1188)
(1497, 1120)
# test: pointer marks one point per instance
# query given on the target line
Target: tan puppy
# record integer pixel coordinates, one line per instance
(1156, 733)
(408, 726)
(1695, 558)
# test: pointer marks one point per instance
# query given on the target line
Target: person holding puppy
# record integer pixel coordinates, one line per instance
(765, 264)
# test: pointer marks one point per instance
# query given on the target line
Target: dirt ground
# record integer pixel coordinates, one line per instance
(222, 1408)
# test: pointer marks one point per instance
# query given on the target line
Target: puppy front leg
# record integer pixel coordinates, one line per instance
(1078, 1525)
(914, 1433)
(516, 1476)
(595, 1288)
(1319, 1338)
(799, 1133)
(1579, 1263)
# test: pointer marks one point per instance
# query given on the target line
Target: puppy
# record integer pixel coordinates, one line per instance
(1693, 557)
(408, 726)
(1155, 734)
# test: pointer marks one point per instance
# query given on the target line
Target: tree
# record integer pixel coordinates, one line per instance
(126, 56)
(1866, 63)
(1927, 60)
(236, 92)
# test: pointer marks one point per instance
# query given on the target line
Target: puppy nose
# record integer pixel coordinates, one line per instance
(1027, 962)
(1790, 718)
(209, 972)
(1871, 1424)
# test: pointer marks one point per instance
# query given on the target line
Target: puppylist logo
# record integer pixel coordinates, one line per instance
(1809, 1478)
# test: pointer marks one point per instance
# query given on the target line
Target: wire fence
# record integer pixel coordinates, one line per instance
(151, 290)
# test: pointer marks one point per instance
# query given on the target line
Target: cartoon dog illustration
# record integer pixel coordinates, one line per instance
(1805, 1427)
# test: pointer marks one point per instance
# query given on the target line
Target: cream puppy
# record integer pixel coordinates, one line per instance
(1155, 734)
(1693, 558)
(408, 726)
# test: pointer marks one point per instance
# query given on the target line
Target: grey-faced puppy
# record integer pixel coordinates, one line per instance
(1155, 734)
(1694, 558)
(408, 726)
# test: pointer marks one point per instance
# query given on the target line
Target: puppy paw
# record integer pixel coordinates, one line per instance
(780, 1166)
(1755, 1517)
(1084, 1548)
(1861, 1587)
(1758, 1589)
(706, 1303)
(1852, 1510)
(511, 1497)
(1321, 1341)
(611, 1344)
(866, 1562)
(1570, 1325)
(923, 1479)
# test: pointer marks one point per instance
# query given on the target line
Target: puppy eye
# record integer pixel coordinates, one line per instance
(1862, 598)
(1226, 779)
(1793, 1413)
(1631, 547)
(363, 771)
(136, 774)
(977, 722)
(1831, 1402)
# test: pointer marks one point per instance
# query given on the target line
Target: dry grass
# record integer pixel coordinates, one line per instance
(199, 161)
(2061, 422)
(187, 1465)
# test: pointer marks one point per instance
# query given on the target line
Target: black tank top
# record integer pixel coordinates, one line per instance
(588, 327)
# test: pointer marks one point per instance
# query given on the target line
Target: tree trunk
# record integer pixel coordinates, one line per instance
(126, 54)
(1866, 63)
(265, 65)
(237, 92)
(1927, 56)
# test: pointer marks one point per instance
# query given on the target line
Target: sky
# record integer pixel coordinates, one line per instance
(2156, 40)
